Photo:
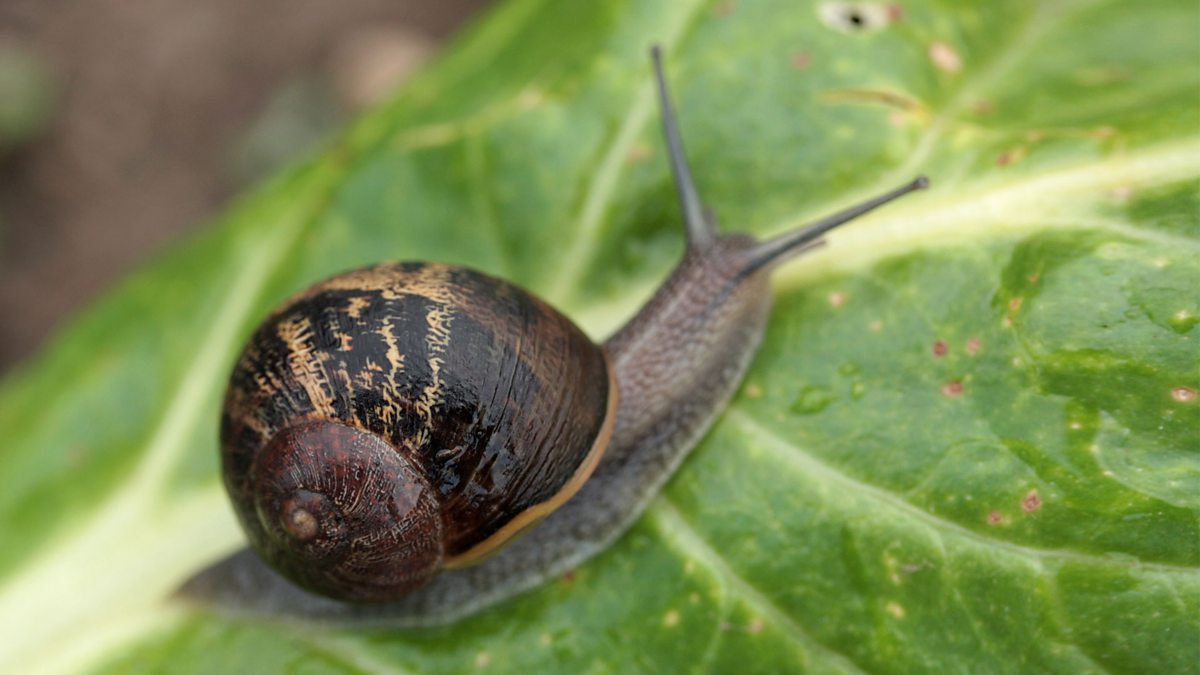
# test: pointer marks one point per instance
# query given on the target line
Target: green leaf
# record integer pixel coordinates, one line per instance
(968, 444)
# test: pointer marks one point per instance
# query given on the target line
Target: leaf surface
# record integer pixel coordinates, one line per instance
(970, 442)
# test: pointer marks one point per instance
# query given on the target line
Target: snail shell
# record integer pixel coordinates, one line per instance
(406, 417)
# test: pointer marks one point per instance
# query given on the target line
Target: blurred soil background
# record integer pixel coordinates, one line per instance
(125, 123)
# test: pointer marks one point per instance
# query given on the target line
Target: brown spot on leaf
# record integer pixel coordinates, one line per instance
(952, 389)
(995, 518)
(1031, 502)
(973, 346)
(638, 154)
(1011, 156)
(895, 12)
(1033, 278)
(801, 60)
(568, 577)
(837, 299)
(755, 627)
(1015, 303)
(944, 57)
(753, 390)
(1183, 394)
(983, 107)
(723, 9)
(940, 348)
(875, 326)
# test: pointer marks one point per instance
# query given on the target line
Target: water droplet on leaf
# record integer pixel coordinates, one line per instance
(812, 399)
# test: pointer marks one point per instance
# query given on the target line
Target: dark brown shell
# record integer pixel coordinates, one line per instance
(500, 400)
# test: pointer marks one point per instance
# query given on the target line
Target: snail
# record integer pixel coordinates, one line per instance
(413, 442)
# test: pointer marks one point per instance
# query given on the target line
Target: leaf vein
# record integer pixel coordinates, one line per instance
(675, 528)
(809, 464)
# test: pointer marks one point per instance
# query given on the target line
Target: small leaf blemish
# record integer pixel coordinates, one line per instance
(1183, 394)
(983, 107)
(875, 326)
(973, 346)
(995, 518)
(940, 349)
(801, 60)
(854, 17)
(637, 154)
(952, 389)
(837, 299)
(1015, 304)
(671, 619)
(483, 660)
(756, 627)
(1031, 502)
(1011, 156)
(895, 610)
(944, 57)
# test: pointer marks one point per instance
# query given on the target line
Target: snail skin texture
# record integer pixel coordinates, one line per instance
(388, 433)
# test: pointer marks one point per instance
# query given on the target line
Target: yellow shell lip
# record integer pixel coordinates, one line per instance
(530, 516)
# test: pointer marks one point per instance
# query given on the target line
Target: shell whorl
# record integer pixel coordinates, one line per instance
(496, 397)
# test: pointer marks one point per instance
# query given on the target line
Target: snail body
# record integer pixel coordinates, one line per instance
(417, 441)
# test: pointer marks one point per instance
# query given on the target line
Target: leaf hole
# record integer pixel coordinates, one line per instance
(856, 18)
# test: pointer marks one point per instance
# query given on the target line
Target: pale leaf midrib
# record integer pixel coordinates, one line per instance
(1054, 199)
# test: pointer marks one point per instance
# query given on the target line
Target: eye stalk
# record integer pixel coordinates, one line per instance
(701, 224)
(342, 513)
